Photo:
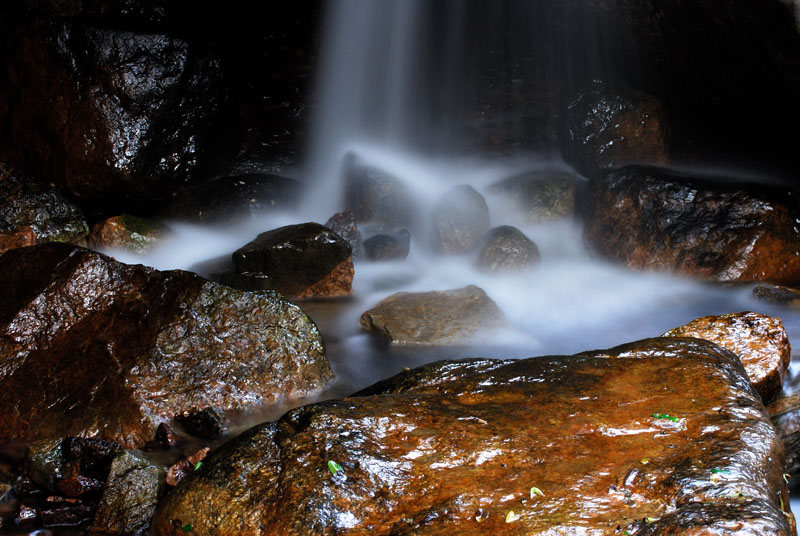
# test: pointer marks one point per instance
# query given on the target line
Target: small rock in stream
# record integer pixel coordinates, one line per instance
(207, 423)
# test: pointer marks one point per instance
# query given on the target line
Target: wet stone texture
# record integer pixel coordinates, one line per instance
(610, 445)
(384, 247)
(607, 128)
(759, 340)
(785, 413)
(374, 195)
(93, 347)
(655, 219)
(460, 219)
(131, 233)
(299, 261)
(446, 317)
(540, 195)
(507, 249)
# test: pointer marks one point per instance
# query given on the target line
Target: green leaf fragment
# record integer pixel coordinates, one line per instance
(187, 527)
(650, 519)
(334, 467)
(198, 465)
(718, 471)
(536, 491)
(665, 417)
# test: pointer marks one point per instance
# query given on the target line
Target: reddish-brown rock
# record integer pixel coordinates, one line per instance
(785, 413)
(442, 317)
(656, 219)
(549, 445)
(93, 347)
(759, 340)
(126, 232)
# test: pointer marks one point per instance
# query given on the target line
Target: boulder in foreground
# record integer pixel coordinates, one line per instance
(550, 445)
(93, 347)
(446, 317)
(656, 219)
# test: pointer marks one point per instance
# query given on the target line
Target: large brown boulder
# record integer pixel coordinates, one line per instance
(93, 347)
(548, 445)
(507, 249)
(300, 261)
(437, 318)
(656, 219)
(608, 128)
(759, 340)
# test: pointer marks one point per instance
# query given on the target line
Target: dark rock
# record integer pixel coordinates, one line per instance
(444, 317)
(374, 195)
(777, 294)
(127, 120)
(785, 414)
(43, 462)
(93, 347)
(384, 247)
(299, 261)
(32, 212)
(540, 195)
(165, 436)
(73, 515)
(227, 198)
(656, 219)
(344, 224)
(460, 219)
(186, 466)
(437, 451)
(131, 233)
(760, 341)
(91, 456)
(130, 496)
(606, 128)
(207, 423)
(6, 491)
(507, 249)
(77, 485)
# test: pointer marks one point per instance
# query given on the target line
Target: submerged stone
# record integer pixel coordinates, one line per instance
(657, 219)
(383, 247)
(759, 340)
(549, 445)
(446, 317)
(507, 249)
(375, 195)
(93, 347)
(777, 294)
(541, 196)
(459, 220)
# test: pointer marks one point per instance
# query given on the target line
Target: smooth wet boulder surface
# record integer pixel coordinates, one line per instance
(656, 219)
(94, 347)
(785, 413)
(384, 247)
(777, 294)
(667, 437)
(344, 224)
(540, 195)
(604, 127)
(127, 232)
(759, 340)
(507, 249)
(459, 220)
(33, 212)
(441, 317)
(299, 261)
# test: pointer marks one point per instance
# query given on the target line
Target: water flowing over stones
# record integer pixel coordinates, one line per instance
(760, 341)
(656, 219)
(541, 195)
(383, 247)
(606, 442)
(92, 347)
(345, 225)
(299, 261)
(375, 195)
(447, 317)
(459, 220)
(507, 249)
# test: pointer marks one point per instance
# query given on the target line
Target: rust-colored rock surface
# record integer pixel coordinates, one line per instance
(442, 317)
(759, 340)
(93, 347)
(656, 219)
(666, 438)
(785, 413)
(300, 261)
(126, 232)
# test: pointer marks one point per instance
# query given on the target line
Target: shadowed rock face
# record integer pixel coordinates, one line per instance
(455, 447)
(760, 341)
(654, 219)
(90, 346)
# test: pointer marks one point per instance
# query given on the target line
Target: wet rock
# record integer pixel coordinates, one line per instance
(656, 219)
(759, 340)
(299, 261)
(460, 219)
(90, 456)
(444, 317)
(540, 196)
(229, 198)
(127, 232)
(344, 224)
(437, 451)
(130, 495)
(377, 196)
(186, 466)
(6, 491)
(165, 436)
(43, 462)
(73, 515)
(76, 485)
(93, 347)
(32, 212)
(785, 414)
(207, 423)
(383, 247)
(507, 249)
(777, 294)
(607, 128)
(129, 117)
